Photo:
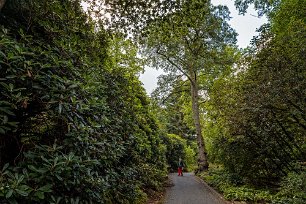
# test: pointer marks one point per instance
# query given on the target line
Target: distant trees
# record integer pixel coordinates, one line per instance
(177, 147)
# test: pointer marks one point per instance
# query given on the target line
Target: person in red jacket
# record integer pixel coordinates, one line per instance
(180, 167)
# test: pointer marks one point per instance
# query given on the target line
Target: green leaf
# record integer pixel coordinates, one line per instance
(31, 167)
(58, 177)
(9, 193)
(2, 131)
(11, 87)
(5, 167)
(14, 124)
(72, 86)
(7, 111)
(5, 119)
(22, 193)
(42, 170)
(20, 179)
(46, 188)
(24, 188)
(40, 195)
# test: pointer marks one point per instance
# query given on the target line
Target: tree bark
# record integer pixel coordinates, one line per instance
(202, 154)
(2, 2)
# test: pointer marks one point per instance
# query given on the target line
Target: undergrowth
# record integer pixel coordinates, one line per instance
(291, 189)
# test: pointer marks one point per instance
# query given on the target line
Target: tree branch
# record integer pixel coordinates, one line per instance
(175, 65)
(172, 93)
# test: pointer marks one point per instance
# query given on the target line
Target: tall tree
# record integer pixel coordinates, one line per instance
(189, 43)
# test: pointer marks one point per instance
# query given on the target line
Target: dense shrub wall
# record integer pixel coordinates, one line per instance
(75, 126)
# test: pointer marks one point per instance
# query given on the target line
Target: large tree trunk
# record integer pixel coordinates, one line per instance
(202, 154)
(2, 2)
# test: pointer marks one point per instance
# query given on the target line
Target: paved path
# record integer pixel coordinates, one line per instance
(188, 189)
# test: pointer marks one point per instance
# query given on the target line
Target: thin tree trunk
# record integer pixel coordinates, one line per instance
(2, 2)
(202, 154)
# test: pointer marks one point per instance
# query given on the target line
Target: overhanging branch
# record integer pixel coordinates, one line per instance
(175, 65)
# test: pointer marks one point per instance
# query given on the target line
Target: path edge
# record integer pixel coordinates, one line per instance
(213, 191)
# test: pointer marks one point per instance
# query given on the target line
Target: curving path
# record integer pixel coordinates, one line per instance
(188, 189)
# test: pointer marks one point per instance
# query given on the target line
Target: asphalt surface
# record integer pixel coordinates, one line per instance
(188, 189)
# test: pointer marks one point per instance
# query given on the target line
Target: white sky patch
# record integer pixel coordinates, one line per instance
(245, 25)
(149, 78)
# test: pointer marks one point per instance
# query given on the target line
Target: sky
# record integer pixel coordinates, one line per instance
(245, 26)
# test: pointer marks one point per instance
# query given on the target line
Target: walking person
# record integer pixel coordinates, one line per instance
(180, 167)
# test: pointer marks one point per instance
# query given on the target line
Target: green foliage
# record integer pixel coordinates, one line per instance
(247, 194)
(174, 112)
(51, 176)
(132, 16)
(75, 122)
(293, 189)
(231, 186)
(256, 123)
(262, 6)
(181, 135)
(185, 42)
(176, 147)
(190, 157)
(259, 111)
